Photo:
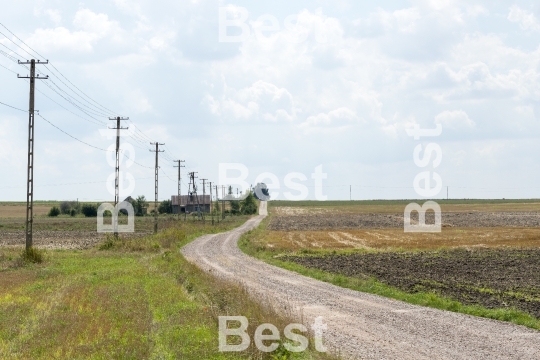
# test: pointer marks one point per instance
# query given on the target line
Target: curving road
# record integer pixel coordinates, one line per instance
(360, 325)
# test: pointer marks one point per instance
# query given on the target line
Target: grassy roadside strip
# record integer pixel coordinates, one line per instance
(253, 243)
(134, 299)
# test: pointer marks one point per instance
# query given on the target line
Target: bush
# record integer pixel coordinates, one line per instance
(89, 210)
(67, 207)
(165, 207)
(73, 212)
(249, 205)
(54, 212)
(32, 255)
(235, 207)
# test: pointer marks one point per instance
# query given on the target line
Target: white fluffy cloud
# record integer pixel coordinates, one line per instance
(526, 20)
(327, 80)
(455, 120)
(89, 27)
(260, 101)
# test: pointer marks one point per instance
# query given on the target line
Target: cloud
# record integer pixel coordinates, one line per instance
(337, 120)
(91, 27)
(260, 101)
(455, 120)
(526, 20)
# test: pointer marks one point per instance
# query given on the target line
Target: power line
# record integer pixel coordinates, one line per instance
(13, 107)
(85, 143)
(95, 121)
(56, 70)
(66, 184)
(71, 136)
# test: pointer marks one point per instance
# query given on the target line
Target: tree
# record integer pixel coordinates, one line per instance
(249, 205)
(139, 205)
(235, 207)
(165, 207)
(89, 210)
(54, 212)
(65, 207)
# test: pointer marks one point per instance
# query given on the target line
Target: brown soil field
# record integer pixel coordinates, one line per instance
(316, 221)
(345, 207)
(396, 238)
(493, 278)
(51, 239)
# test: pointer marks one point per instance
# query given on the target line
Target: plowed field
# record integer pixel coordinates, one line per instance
(493, 278)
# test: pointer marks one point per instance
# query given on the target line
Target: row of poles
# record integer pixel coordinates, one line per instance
(30, 170)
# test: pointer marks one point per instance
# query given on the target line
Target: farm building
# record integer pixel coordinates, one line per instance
(189, 203)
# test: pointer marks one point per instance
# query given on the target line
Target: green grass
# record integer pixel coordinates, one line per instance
(252, 243)
(135, 299)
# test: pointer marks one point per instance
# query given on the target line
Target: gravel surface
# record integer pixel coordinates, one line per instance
(359, 325)
(379, 221)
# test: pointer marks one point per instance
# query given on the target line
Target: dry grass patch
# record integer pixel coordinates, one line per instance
(19, 210)
(396, 238)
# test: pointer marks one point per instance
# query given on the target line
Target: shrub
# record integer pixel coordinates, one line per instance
(89, 210)
(73, 212)
(55, 211)
(235, 207)
(165, 207)
(108, 243)
(32, 255)
(249, 205)
(65, 207)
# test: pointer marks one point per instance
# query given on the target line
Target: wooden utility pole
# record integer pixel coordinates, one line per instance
(30, 174)
(157, 151)
(180, 187)
(117, 168)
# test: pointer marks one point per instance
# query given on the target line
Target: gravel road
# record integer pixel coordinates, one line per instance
(359, 325)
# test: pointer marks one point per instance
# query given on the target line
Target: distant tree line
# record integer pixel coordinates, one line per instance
(248, 206)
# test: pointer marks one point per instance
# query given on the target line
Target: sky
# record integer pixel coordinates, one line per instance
(281, 88)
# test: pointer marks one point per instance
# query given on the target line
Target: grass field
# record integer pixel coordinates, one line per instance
(126, 299)
(421, 268)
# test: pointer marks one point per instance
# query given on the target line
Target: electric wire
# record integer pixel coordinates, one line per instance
(13, 107)
(85, 143)
(66, 184)
(54, 67)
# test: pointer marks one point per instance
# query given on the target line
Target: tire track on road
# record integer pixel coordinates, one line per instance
(360, 325)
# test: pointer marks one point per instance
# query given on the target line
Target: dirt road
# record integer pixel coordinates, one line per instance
(359, 325)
